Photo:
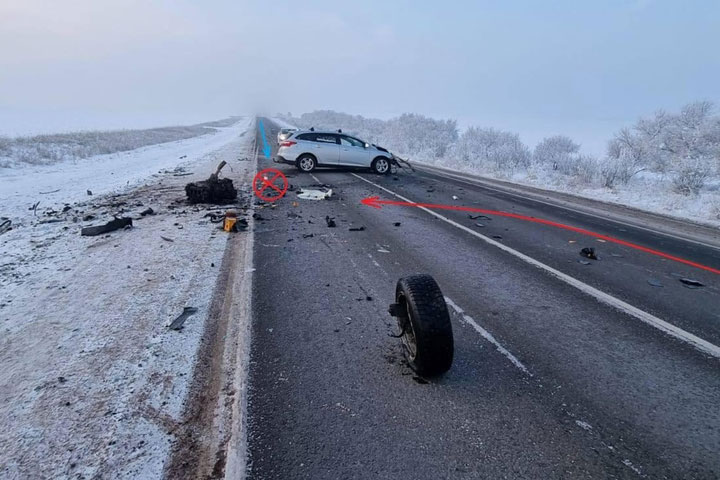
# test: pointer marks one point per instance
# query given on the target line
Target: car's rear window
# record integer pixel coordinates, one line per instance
(307, 136)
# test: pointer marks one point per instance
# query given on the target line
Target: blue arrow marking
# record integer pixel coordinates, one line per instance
(266, 145)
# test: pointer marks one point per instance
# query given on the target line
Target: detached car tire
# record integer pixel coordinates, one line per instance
(306, 163)
(424, 322)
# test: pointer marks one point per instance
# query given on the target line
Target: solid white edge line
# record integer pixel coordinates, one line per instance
(670, 329)
(488, 336)
(479, 183)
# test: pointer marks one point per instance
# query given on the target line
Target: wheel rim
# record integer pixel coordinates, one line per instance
(381, 166)
(306, 164)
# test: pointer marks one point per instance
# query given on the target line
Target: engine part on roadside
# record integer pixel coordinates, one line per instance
(5, 225)
(690, 283)
(179, 321)
(330, 222)
(213, 190)
(111, 226)
(424, 323)
(589, 252)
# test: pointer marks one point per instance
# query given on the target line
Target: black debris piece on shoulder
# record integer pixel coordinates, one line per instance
(179, 321)
(330, 222)
(589, 252)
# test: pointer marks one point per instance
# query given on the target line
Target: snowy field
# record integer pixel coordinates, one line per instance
(52, 148)
(94, 384)
(667, 163)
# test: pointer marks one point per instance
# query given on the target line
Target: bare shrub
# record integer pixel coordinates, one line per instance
(691, 178)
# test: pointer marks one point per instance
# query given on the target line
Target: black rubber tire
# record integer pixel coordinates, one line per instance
(374, 168)
(306, 156)
(422, 304)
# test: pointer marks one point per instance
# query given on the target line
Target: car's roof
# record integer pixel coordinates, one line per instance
(324, 132)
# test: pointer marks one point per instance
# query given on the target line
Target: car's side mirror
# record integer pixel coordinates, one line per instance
(367, 145)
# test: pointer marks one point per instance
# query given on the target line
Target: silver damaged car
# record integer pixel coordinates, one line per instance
(308, 150)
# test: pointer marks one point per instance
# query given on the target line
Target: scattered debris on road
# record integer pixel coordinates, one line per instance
(455, 197)
(308, 235)
(499, 237)
(397, 224)
(330, 222)
(478, 224)
(111, 226)
(655, 283)
(179, 321)
(690, 283)
(589, 252)
(476, 217)
(167, 239)
(147, 211)
(89, 192)
(356, 229)
(51, 191)
(212, 190)
(584, 262)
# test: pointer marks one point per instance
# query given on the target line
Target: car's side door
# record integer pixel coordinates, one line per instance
(326, 148)
(353, 152)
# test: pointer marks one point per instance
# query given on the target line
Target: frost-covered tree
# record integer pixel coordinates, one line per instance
(487, 147)
(686, 145)
(558, 152)
(412, 133)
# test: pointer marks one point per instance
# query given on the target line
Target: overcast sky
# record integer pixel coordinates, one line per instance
(534, 67)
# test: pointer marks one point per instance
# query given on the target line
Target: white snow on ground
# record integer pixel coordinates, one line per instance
(20, 186)
(93, 383)
(646, 191)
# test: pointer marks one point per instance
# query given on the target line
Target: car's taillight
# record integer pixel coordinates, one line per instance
(287, 143)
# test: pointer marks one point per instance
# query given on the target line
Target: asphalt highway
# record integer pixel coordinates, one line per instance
(565, 367)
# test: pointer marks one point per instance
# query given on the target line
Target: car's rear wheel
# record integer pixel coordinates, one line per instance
(381, 166)
(306, 163)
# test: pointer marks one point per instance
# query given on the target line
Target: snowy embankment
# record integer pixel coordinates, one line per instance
(668, 163)
(93, 382)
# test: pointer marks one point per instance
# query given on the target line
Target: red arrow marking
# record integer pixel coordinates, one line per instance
(375, 202)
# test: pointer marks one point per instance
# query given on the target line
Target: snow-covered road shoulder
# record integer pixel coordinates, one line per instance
(94, 384)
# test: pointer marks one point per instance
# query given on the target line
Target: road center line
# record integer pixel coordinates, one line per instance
(487, 336)
(666, 327)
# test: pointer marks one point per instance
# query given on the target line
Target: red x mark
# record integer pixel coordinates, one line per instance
(262, 179)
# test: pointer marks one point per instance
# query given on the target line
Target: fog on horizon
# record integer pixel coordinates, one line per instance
(584, 70)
